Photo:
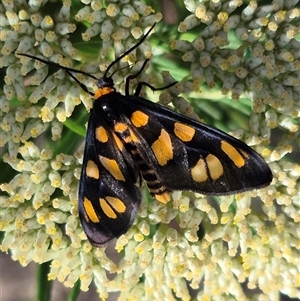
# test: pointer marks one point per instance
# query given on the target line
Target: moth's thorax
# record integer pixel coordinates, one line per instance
(104, 91)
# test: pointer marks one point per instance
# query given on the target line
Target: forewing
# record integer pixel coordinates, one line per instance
(186, 154)
(108, 197)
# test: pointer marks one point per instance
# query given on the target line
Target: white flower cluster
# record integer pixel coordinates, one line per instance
(198, 248)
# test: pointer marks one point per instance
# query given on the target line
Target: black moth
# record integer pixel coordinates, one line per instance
(130, 138)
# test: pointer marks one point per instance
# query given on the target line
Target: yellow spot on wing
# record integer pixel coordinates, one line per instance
(183, 131)
(139, 118)
(215, 167)
(162, 148)
(133, 137)
(92, 170)
(112, 167)
(101, 134)
(116, 203)
(120, 127)
(118, 142)
(90, 211)
(233, 154)
(199, 172)
(107, 209)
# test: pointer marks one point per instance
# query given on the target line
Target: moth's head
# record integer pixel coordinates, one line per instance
(104, 82)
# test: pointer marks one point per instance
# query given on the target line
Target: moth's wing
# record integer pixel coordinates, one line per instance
(187, 154)
(108, 197)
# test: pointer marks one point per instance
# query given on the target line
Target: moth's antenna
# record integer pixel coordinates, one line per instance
(87, 74)
(57, 65)
(128, 51)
